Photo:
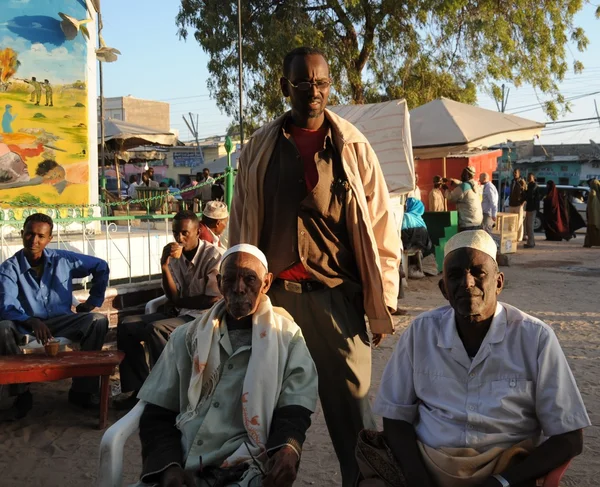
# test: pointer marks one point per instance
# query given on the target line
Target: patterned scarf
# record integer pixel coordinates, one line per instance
(271, 335)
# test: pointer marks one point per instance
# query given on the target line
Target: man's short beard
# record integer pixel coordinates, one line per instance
(315, 114)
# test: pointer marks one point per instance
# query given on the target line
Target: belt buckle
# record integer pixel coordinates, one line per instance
(293, 287)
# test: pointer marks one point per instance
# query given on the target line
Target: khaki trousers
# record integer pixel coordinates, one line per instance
(333, 325)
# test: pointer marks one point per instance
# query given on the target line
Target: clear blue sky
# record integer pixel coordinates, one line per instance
(156, 65)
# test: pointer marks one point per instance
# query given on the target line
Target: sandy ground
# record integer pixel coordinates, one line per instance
(57, 445)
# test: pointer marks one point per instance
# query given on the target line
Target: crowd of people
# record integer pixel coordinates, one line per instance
(478, 205)
(476, 392)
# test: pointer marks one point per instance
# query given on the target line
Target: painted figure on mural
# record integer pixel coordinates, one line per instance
(36, 94)
(12, 167)
(48, 91)
(7, 120)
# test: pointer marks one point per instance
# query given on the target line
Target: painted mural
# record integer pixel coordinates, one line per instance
(44, 75)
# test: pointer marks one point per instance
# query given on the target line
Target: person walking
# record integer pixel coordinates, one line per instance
(489, 204)
(532, 207)
(311, 195)
(592, 236)
(516, 200)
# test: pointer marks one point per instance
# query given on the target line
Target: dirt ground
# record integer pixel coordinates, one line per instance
(57, 445)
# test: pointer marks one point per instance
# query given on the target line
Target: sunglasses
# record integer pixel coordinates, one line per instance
(321, 84)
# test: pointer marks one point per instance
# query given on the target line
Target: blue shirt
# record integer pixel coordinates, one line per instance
(23, 297)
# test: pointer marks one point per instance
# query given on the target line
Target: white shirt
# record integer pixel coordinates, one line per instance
(131, 191)
(518, 386)
(415, 193)
(198, 276)
(489, 204)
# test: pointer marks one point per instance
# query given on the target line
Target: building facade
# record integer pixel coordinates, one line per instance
(147, 113)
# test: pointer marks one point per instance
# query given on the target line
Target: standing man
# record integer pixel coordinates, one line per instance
(516, 200)
(189, 279)
(532, 207)
(205, 191)
(36, 294)
(214, 222)
(48, 91)
(489, 205)
(36, 94)
(133, 184)
(465, 194)
(147, 181)
(437, 200)
(415, 193)
(311, 195)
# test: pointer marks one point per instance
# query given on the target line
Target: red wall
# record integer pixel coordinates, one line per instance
(427, 168)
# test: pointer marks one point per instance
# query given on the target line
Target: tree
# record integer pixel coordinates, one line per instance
(384, 49)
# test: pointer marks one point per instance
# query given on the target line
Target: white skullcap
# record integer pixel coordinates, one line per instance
(217, 210)
(472, 239)
(247, 249)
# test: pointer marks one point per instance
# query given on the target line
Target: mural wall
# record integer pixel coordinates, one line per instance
(48, 125)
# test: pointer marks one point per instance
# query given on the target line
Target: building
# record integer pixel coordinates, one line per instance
(147, 113)
(566, 164)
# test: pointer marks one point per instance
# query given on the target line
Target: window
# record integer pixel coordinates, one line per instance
(541, 180)
(563, 181)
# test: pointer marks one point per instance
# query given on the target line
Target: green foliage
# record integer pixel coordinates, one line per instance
(384, 49)
(26, 199)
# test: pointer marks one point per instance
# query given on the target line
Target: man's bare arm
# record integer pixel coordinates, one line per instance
(551, 454)
(402, 440)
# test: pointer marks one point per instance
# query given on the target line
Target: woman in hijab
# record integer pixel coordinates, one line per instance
(561, 219)
(414, 231)
(592, 236)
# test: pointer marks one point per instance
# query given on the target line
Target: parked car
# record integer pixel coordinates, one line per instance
(111, 186)
(578, 195)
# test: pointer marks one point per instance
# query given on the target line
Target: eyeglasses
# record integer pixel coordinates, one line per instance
(321, 84)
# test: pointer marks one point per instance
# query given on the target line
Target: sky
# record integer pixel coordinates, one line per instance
(42, 52)
(155, 64)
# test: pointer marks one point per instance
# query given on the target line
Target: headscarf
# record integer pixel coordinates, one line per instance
(413, 215)
(556, 217)
(593, 204)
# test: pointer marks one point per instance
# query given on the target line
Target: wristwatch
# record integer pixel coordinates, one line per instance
(502, 480)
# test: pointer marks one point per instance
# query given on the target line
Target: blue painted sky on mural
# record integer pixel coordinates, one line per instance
(32, 28)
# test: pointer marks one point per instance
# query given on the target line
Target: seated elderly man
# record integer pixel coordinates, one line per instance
(478, 393)
(214, 222)
(230, 399)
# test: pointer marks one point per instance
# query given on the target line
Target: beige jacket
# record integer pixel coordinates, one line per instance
(371, 225)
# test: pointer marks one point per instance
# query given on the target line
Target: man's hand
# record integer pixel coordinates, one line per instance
(377, 339)
(175, 476)
(40, 330)
(284, 468)
(84, 307)
(171, 250)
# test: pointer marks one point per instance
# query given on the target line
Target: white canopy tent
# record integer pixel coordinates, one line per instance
(387, 127)
(442, 127)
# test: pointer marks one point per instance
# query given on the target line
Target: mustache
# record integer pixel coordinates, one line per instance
(469, 295)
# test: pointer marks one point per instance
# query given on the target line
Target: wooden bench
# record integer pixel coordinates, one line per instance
(37, 367)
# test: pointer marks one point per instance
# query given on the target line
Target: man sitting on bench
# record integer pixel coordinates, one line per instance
(478, 393)
(36, 293)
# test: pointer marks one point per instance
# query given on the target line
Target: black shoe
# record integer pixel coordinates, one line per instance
(126, 404)
(85, 400)
(527, 246)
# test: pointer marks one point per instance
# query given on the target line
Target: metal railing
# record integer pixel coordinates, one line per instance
(131, 244)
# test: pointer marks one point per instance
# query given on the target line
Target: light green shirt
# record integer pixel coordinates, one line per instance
(218, 429)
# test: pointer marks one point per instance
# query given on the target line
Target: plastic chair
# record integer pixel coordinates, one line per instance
(153, 305)
(112, 446)
(553, 478)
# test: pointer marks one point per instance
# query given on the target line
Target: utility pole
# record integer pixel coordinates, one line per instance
(193, 127)
(241, 72)
(597, 113)
(502, 108)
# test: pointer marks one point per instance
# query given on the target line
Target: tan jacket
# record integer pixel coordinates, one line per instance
(371, 225)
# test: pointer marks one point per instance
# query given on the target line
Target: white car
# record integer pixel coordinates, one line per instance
(578, 195)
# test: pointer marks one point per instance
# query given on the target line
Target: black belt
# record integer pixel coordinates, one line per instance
(300, 287)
